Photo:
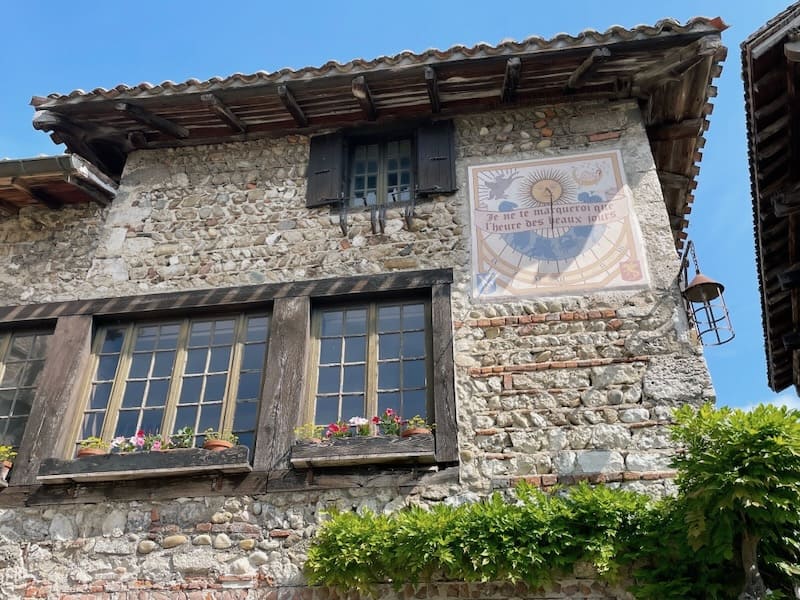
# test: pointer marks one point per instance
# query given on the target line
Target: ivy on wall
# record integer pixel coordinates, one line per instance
(738, 478)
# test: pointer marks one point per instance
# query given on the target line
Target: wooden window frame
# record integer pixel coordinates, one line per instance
(69, 356)
(382, 195)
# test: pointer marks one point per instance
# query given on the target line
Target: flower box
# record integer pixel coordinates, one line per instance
(364, 450)
(141, 465)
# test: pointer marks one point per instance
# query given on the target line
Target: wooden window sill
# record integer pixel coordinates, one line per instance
(143, 465)
(339, 452)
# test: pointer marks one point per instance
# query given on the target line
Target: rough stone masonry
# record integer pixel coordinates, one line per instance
(550, 390)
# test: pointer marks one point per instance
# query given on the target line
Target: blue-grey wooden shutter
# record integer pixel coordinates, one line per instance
(326, 163)
(436, 172)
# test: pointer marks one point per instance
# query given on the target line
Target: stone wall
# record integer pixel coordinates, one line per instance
(550, 390)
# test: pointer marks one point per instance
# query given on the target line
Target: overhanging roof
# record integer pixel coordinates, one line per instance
(770, 58)
(52, 181)
(667, 67)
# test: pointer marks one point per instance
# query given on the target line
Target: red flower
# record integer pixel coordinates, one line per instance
(376, 420)
(389, 412)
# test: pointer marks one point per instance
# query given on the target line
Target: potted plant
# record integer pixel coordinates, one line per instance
(416, 425)
(309, 432)
(7, 454)
(92, 446)
(388, 423)
(182, 438)
(218, 441)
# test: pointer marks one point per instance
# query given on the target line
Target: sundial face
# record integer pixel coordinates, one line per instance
(553, 226)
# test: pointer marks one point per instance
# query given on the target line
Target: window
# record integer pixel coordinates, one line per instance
(375, 166)
(21, 360)
(160, 377)
(370, 357)
(381, 173)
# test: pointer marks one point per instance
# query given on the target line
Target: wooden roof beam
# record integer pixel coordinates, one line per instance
(364, 96)
(511, 80)
(71, 135)
(145, 117)
(681, 61)
(35, 195)
(583, 73)
(791, 341)
(432, 83)
(686, 129)
(790, 278)
(786, 203)
(290, 103)
(673, 180)
(219, 108)
(7, 208)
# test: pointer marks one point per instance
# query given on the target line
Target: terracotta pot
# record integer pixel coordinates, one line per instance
(415, 431)
(5, 467)
(91, 452)
(217, 445)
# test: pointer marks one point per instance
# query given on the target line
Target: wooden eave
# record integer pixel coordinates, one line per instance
(772, 109)
(52, 181)
(667, 68)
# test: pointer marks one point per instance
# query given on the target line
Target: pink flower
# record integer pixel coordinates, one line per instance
(157, 445)
(389, 412)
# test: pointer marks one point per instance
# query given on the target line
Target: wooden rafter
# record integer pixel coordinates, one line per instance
(35, 195)
(511, 79)
(364, 97)
(219, 108)
(791, 341)
(581, 75)
(71, 135)
(290, 102)
(432, 83)
(674, 66)
(686, 129)
(153, 120)
(790, 278)
(786, 203)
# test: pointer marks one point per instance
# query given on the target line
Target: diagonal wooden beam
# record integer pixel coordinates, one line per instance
(150, 119)
(364, 97)
(432, 84)
(290, 102)
(790, 278)
(7, 208)
(219, 108)
(677, 63)
(511, 80)
(35, 195)
(71, 135)
(786, 203)
(686, 129)
(583, 73)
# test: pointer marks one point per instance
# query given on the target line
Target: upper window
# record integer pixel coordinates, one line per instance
(159, 377)
(371, 357)
(381, 173)
(21, 360)
(370, 166)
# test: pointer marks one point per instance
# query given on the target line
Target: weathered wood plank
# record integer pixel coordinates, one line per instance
(283, 394)
(36, 195)
(432, 84)
(57, 400)
(444, 396)
(586, 69)
(362, 93)
(511, 80)
(365, 450)
(237, 298)
(219, 108)
(686, 129)
(143, 465)
(153, 120)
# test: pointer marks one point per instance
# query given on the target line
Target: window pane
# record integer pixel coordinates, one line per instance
(246, 438)
(328, 382)
(107, 367)
(134, 394)
(327, 410)
(215, 387)
(127, 423)
(157, 394)
(185, 417)
(92, 425)
(101, 392)
(191, 388)
(330, 350)
(389, 376)
(12, 375)
(23, 403)
(31, 372)
(200, 334)
(253, 356)
(146, 338)
(220, 359)
(209, 417)
(168, 336)
(14, 431)
(332, 323)
(414, 344)
(388, 318)
(163, 363)
(355, 349)
(249, 386)
(414, 316)
(223, 332)
(413, 373)
(353, 379)
(355, 322)
(389, 346)
(245, 416)
(257, 329)
(151, 420)
(352, 406)
(6, 402)
(140, 367)
(389, 400)
(196, 360)
(113, 341)
(415, 403)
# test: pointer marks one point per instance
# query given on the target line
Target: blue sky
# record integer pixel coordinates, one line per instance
(60, 46)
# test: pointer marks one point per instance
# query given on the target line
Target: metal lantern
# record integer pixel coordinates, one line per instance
(705, 303)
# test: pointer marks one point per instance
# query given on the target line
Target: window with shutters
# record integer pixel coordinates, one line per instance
(158, 377)
(369, 168)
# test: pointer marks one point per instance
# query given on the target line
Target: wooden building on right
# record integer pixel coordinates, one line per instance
(771, 73)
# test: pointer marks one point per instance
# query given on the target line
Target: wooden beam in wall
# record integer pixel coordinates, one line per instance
(432, 83)
(511, 80)
(364, 96)
(150, 119)
(290, 102)
(583, 73)
(219, 108)
(35, 195)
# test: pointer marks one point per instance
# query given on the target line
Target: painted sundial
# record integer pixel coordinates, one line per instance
(554, 226)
